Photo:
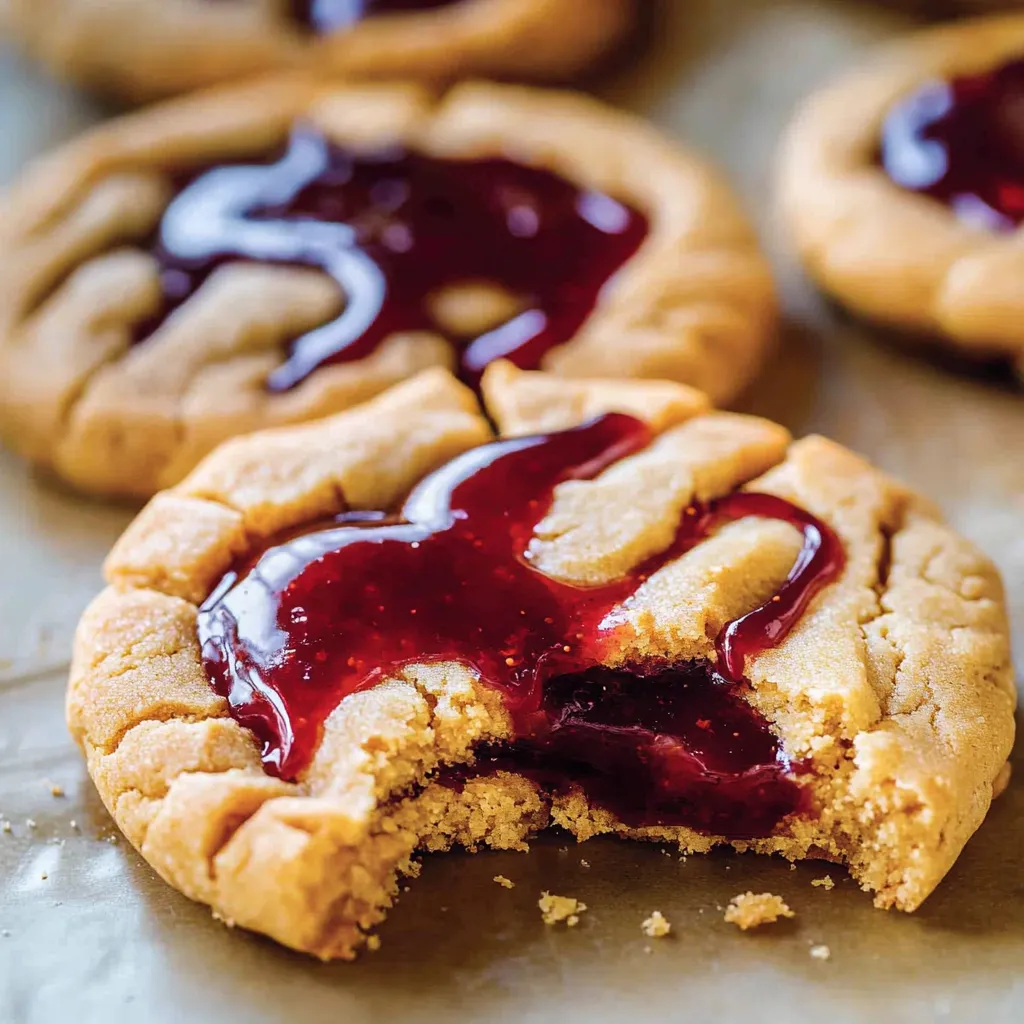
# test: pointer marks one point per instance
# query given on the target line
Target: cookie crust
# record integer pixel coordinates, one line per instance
(146, 49)
(886, 253)
(896, 685)
(694, 304)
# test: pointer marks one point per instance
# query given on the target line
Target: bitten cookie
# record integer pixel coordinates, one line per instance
(144, 49)
(902, 181)
(271, 253)
(338, 644)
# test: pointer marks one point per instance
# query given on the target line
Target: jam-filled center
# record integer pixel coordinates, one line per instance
(398, 230)
(962, 142)
(324, 614)
(329, 15)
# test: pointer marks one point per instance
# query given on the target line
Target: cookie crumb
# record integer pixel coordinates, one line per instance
(554, 909)
(505, 883)
(373, 943)
(584, 863)
(6, 826)
(792, 866)
(821, 952)
(750, 910)
(73, 824)
(30, 822)
(825, 883)
(44, 876)
(55, 790)
(656, 926)
(648, 949)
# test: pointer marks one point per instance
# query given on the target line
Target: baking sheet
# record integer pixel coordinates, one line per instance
(88, 933)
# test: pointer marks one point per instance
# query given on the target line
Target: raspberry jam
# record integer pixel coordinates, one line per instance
(332, 611)
(395, 228)
(675, 746)
(962, 142)
(328, 15)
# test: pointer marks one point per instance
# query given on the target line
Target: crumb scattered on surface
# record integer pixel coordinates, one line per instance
(30, 822)
(6, 826)
(73, 824)
(505, 883)
(656, 926)
(792, 866)
(648, 949)
(56, 790)
(584, 863)
(44, 876)
(821, 952)
(560, 908)
(824, 883)
(373, 943)
(750, 910)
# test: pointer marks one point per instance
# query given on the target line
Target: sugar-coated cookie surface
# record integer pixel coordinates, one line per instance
(112, 380)
(892, 693)
(143, 49)
(931, 266)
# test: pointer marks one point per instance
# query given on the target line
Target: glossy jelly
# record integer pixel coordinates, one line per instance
(329, 612)
(328, 15)
(394, 229)
(962, 142)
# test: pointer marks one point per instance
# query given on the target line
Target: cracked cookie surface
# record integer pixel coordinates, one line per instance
(893, 690)
(118, 397)
(899, 256)
(143, 49)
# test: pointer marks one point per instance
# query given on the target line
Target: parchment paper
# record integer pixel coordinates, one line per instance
(90, 934)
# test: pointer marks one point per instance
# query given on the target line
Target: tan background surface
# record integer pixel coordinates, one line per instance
(89, 934)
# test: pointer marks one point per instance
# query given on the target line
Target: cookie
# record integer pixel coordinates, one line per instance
(145, 49)
(336, 645)
(160, 291)
(900, 183)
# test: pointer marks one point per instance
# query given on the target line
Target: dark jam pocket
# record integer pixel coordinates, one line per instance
(962, 142)
(328, 15)
(668, 746)
(324, 614)
(394, 229)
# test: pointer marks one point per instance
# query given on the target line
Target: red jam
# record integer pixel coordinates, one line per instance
(330, 612)
(962, 142)
(395, 228)
(329, 15)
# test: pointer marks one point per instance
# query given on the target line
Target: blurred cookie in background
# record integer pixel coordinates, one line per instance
(142, 49)
(902, 184)
(273, 252)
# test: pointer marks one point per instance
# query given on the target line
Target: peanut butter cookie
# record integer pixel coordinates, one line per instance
(144, 49)
(160, 291)
(335, 645)
(903, 185)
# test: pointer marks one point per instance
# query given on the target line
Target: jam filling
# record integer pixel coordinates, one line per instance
(328, 15)
(962, 142)
(395, 229)
(324, 614)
